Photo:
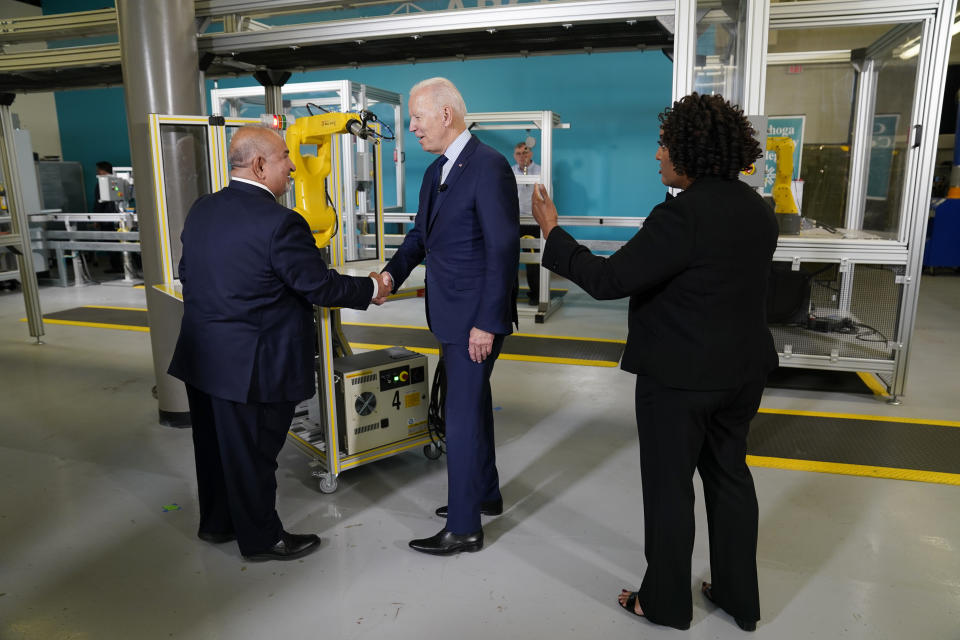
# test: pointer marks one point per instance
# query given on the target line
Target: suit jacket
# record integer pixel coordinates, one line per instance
(250, 272)
(696, 274)
(469, 236)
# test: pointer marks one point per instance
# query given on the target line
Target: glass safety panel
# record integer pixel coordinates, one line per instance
(896, 69)
(187, 175)
(834, 91)
(718, 66)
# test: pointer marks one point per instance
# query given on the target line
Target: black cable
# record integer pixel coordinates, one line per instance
(373, 118)
(314, 104)
(336, 216)
(874, 332)
(436, 419)
(367, 117)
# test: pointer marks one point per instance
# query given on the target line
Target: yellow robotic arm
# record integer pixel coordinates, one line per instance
(310, 173)
(783, 201)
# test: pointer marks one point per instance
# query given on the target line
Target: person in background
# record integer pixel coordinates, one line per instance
(251, 272)
(525, 166)
(696, 274)
(104, 168)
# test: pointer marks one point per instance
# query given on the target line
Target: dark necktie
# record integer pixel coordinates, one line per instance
(438, 180)
(435, 191)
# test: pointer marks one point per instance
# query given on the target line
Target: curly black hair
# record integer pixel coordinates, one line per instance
(707, 136)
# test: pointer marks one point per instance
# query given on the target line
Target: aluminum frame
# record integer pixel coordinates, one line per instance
(546, 121)
(19, 237)
(226, 44)
(935, 19)
(349, 96)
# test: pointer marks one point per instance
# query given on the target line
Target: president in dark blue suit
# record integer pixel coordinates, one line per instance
(467, 230)
(250, 272)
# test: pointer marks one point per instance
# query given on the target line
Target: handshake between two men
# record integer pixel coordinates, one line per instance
(479, 342)
(384, 285)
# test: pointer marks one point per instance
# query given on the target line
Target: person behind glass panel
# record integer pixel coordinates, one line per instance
(525, 166)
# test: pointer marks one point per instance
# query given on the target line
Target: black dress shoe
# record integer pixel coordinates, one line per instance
(291, 546)
(492, 508)
(446, 543)
(216, 538)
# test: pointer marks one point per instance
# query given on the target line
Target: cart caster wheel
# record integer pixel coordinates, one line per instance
(431, 451)
(327, 484)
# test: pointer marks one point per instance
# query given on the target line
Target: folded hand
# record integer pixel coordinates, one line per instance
(480, 345)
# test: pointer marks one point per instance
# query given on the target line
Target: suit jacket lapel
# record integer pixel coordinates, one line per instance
(453, 177)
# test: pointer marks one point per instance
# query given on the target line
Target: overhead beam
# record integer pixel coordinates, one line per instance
(62, 58)
(415, 24)
(58, 26)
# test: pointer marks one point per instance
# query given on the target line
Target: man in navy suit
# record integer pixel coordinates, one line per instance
(467, 230)
(251, 272)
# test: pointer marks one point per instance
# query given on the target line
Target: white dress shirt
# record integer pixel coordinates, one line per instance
(453, 152)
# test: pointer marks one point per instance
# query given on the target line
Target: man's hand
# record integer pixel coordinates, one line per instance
(544, 211)
(384, 286)
(481, 344)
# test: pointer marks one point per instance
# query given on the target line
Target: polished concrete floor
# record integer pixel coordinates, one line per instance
(98, 509)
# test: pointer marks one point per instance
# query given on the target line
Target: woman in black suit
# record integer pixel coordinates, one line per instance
(696, 274)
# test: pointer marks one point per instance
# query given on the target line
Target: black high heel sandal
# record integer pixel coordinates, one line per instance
(707, 590)
(631, 603)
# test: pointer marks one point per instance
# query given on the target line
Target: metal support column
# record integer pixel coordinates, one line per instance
(864, 109)
(684, 48)
(158, 49)
(19, 240)
(753, 47)
(272, 82)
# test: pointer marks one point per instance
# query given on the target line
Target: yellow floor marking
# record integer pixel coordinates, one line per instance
(855, 416)
(503, 356)
(101, 306)
(97, 325)
(854, 470)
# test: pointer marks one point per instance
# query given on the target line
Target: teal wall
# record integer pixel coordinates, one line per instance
(93, 127)
(603, 165)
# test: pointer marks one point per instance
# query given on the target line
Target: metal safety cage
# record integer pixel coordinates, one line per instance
(897, 46)
(839, 315)
(202, 142)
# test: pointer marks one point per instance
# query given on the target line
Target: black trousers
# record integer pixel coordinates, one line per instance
(533, 270)
(236, 447)
(681, 431)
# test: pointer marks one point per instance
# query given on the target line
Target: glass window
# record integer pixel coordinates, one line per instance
(186, 177)
(817, 80)
(718, 67)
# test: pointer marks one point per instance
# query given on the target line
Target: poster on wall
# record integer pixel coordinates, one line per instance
(788, 127)
(882, 145)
